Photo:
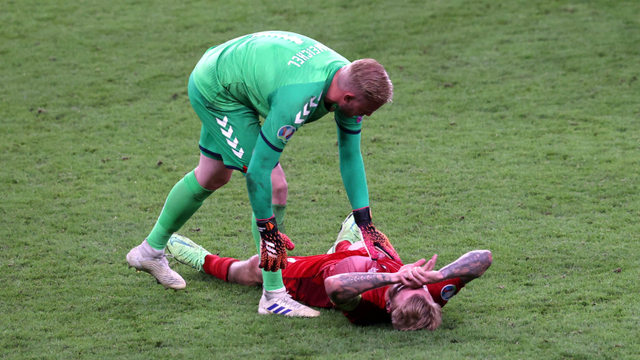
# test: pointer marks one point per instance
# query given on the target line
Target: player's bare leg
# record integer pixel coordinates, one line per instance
(212, 174)
(246, 272)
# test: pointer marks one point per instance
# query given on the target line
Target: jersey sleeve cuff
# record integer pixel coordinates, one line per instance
(352, 132)
(273, 147)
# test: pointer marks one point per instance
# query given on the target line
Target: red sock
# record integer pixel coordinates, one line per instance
(343, 245)
(218, 266)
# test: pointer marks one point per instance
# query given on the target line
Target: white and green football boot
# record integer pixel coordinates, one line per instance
(186, 251)
(145, 258)
(348, 231)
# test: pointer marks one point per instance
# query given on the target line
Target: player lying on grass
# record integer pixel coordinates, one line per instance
(367, 291)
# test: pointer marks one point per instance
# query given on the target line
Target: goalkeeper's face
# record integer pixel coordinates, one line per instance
(412, 309)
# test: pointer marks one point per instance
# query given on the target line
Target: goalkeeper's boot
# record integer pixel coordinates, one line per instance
(145, 258)
(280, 302)
(186, 251)
(349, 231)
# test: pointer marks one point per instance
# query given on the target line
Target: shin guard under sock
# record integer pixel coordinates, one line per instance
(183, 201)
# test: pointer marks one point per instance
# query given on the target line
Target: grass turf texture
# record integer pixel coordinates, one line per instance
(515, 128)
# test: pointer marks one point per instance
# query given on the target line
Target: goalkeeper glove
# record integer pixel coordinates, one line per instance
(374, 240)
(273, 245)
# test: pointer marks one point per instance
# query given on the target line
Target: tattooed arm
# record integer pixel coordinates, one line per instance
(345, 289)
(468, 267)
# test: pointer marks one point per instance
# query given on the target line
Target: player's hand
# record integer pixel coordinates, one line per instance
(374, 240)
(419, 273)
(273, 245)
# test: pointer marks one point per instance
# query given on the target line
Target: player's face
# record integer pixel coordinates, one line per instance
(351, 105)
(398, 294)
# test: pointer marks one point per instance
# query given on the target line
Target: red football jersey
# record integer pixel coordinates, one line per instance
(304, 279)
(371, 308)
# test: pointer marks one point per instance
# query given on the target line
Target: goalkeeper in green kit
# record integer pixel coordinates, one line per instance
(290, 80)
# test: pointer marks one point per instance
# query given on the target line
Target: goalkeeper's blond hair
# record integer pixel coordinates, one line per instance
(417, 313)
(369, 78)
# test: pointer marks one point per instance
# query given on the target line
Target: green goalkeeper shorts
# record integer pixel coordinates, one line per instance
(226, 135)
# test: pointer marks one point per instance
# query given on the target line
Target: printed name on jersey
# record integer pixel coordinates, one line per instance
(305, 55)
(291, 38)
(285, 133)
(228, 133)
(448, 292)
(302, 115)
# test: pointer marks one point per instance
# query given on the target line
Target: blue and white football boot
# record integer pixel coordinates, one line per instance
(279, 302)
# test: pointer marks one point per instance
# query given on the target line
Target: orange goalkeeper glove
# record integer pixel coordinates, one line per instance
(374, 240)
(273, 245)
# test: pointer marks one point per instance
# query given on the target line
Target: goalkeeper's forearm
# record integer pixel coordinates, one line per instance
(343, 288)
(259, 179)
(352, 170)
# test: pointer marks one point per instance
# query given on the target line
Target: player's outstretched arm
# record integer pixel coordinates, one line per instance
(355, 184)
(273, 243)
(468, 267)
(352, 170)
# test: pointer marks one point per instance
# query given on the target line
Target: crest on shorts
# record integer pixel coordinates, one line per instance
(359, 120)
(448, 292)
(286, 132)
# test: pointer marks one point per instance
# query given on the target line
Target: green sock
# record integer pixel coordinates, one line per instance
(184, 200)
(278, 211)
(270, 280)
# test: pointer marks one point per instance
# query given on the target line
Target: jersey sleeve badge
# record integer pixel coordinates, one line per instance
(285, 133)
(448, 292)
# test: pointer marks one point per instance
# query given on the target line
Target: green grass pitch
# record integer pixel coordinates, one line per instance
(515, 127)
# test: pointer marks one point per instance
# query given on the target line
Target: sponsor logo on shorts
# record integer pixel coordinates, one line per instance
(286, 132)
(448, 292)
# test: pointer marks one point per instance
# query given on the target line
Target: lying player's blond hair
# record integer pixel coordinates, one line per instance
(369, 78)
(417, 313)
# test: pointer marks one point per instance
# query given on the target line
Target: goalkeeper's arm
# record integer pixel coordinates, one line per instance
(352, 171)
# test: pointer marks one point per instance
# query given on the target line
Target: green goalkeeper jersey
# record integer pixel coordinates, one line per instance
(282, 76)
